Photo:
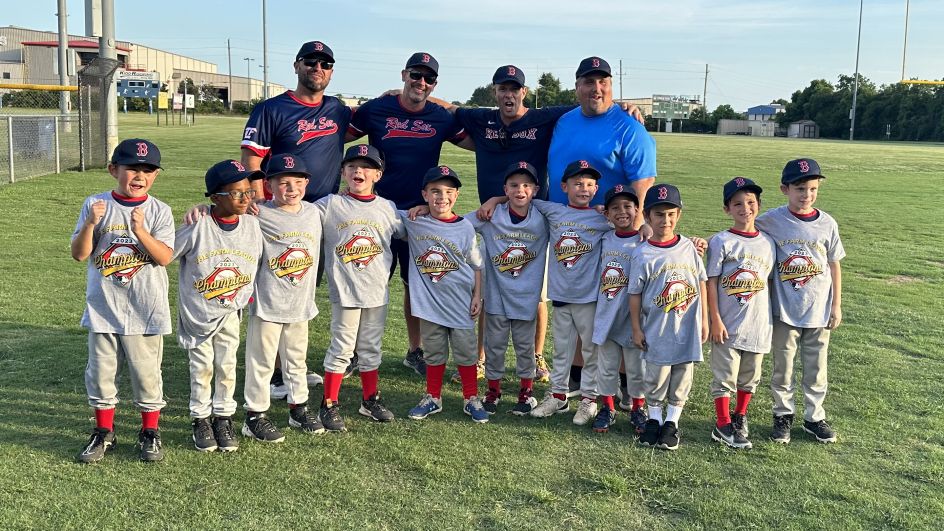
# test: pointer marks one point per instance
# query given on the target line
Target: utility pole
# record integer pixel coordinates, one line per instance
(855, 91)
(229, 59)
(265, 55)
(904, 49)
(704, 92)
(621, 80)
(107, 50)
(63, 57)
(248, 80)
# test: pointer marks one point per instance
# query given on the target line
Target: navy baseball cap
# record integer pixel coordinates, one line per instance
(593, 65)
(423, 59)
(617, 191)
(522, 167)
(136, 151)
(737, 184)
(663, 194)
(798, 169)
(580, 166)
(312, 48)
(366, 152)
(286, 164)
(226, 172)
(508, 73)
(439, 173)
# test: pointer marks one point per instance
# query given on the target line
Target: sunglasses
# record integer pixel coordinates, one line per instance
(430, 79)
(312, 63)
(237, 195)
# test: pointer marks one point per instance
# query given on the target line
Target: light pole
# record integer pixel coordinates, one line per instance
(248, 79)
(265, 55)
(855, 90)
(904, 49)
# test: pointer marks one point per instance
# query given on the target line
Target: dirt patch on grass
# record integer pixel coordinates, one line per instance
(901, 279)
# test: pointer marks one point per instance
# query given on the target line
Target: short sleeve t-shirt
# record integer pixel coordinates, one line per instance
(612, 314)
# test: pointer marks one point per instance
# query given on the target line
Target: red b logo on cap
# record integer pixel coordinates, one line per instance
(238, 165)
(804, 166)
(523, 165)
(319, 47)
(425, 58)
(584, 164)
(618, 188)
(595, 62)
(362, 150)
(289, 162)
(512, 71)
(142, 149)
(663, 192)
(444, 170)
(739, 181)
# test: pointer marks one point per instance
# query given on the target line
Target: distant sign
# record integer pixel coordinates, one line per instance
(671, 107)
(162, 100)
(133, 84)
(178, 101)
(190, 101)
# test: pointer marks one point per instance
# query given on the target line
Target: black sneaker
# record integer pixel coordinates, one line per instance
(638, 418)
(650, 436)
(149, 445)
(492, 399)
(330, 417)
(821, 430)
(374, 408)
(414, 360)
(740, 424)
(728, 435)
(203, 438)
(225, 434)
(605, 418)
(526, 402)
(780, 433)
(351, 367)
(259, 427)
(101, 442)
(299, 417)
(669, 436)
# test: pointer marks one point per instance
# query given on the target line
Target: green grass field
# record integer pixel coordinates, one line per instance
(887, 362)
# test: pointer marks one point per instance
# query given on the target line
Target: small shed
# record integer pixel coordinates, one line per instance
(803, 129)
(733, 127)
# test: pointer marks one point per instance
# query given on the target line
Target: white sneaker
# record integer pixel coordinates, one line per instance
(550, 406)
(586, 411)
(314, 379)
(278, 392)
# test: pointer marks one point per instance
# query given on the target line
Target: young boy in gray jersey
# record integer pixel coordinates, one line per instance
(515, 241)
(219, 257)
(668, 316)
(128, 237)
(358, 227)
(445, 291)
(740, 260)
(807, 298)
(284, 300)
(612, 333)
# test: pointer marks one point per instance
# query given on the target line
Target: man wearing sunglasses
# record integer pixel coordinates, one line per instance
(303, 122)
(410, 131)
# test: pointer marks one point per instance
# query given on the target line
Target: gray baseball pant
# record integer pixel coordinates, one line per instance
(610, 355)
(355, 329)
(668, 383)
(497, 329)
(569, 322)
(214, 361)
(264, 340)
(813, 344)
(734, 370)
(143, 353)
(437, 339)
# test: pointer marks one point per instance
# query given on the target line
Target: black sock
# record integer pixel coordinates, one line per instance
(575, 372)
(622, 380)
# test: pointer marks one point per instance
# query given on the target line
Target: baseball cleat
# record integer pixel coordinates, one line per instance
(551, 405)
(203, 438)
(299, 417)
(101, 442)
(586, 411)
(149, 446)
(780, 433)
(605, 418)
(374, 408)
(259, 427)
(427, 406)
(729, 436)
(225, 434)
(473, 407)
(821, 430)
(669, 436)
(650, 436)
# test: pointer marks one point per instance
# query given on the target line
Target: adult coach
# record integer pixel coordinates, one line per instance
(601, 133)
(410, 132)
(303, 122)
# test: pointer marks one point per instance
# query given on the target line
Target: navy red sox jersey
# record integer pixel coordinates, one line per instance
(612, 315)
(803, 284)
(497, 145)
(313, 132)
(743, 262)
(410, 141)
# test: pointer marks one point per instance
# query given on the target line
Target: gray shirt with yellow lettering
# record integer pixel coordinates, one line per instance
(612, 314)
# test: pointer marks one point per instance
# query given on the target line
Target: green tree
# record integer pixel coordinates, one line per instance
(548, 91)
(482, 97)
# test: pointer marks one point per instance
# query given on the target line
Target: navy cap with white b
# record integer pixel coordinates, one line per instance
(620, 191)
(508, 74)
(423, 59)
(579, 167)
(737, 184)
(524, 168)
(798, 169)
(286, 164)
(661, 194)
(593, 65)
(226, 172)
(314, 48)
(439, 173)
(366, 152)
(136, 151)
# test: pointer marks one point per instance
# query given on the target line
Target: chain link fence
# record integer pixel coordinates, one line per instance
(35, 138)
(93, 80)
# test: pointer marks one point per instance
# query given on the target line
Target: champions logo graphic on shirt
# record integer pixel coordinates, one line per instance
(513, 259)
(311, 129)
(677, 295)
(569, 249)
(122, 260)
(798, 269)
(435, 263)
(613, 280)
(224, 283)
(293, 263)
(743, 283)
(360, 250)
(403, 129)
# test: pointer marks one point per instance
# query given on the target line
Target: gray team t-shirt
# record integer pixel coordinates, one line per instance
(443, 259)
(803, 287)
(668, 279)
(357, 248)
(612, 315)
(126, 292)
(743, 265)
(515, 255)
(285, 285)
(575, 235)
(217, 273)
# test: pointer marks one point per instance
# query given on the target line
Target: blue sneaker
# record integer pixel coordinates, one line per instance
(427, 406)
(475, 409)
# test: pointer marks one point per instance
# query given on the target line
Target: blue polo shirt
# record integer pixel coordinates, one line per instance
(614, 143)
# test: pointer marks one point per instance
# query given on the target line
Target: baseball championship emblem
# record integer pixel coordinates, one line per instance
(569, 249)
(359, 250)
(613, 280)
(677, 295)
(435, 263)
(293, 263)
(515, 257)
(798, 269)
(224, 283)
(121, 260)
(743, 283)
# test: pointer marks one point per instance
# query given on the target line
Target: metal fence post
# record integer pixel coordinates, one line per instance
(56, 135)
(10, 146)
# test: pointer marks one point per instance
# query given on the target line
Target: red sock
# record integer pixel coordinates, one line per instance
(332, 385)
(561, 396)
(494, 386)
(722, 406)
(743, 399)
(434, 379)
(105, 418)
(470, 381)
(149, 419)
(638, 403)
(369, 383)
(527, 383)
(607, 401)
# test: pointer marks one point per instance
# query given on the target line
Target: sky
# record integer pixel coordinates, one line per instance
(756, 50)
